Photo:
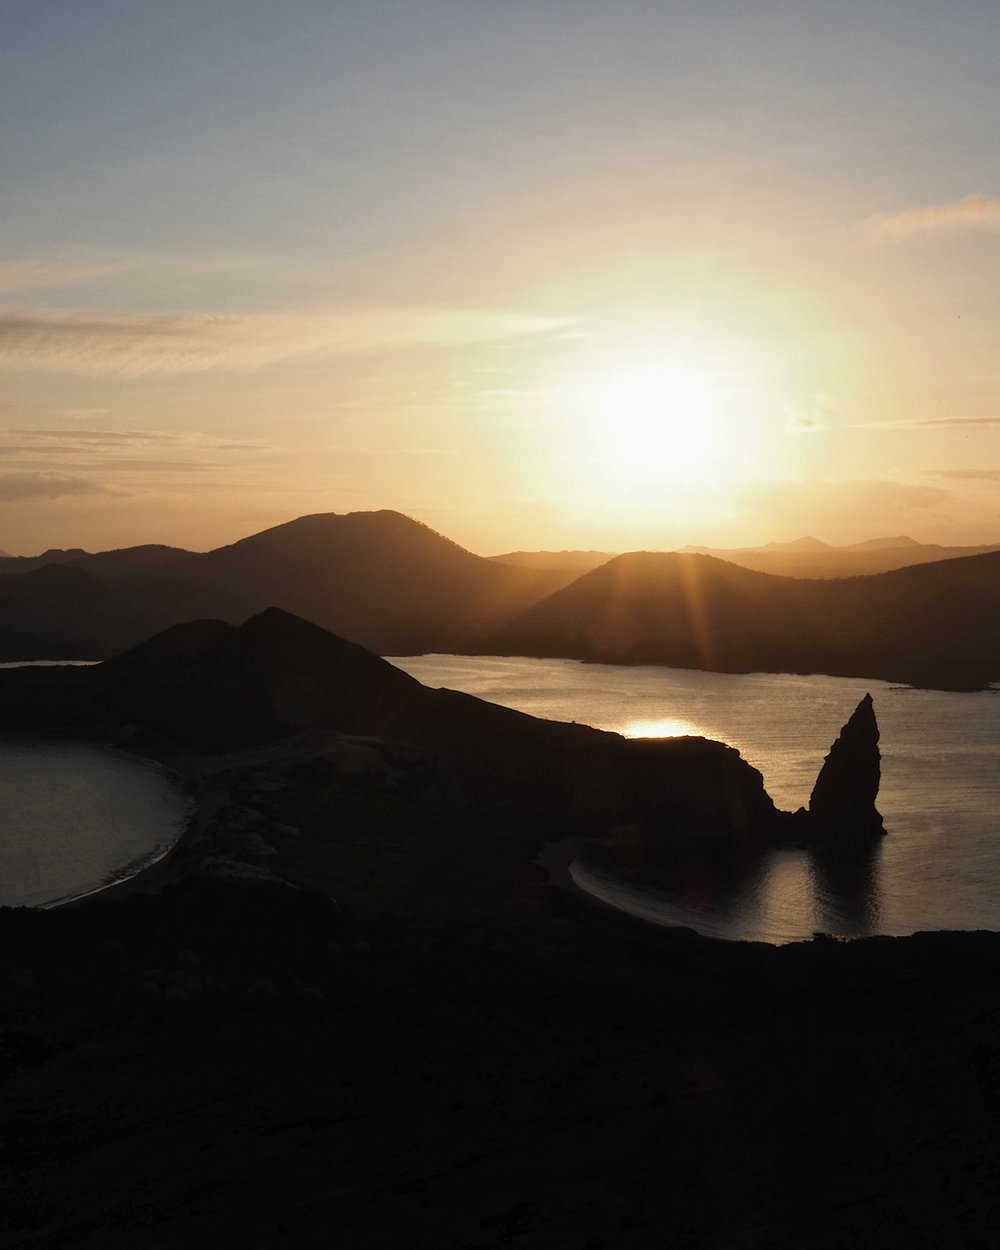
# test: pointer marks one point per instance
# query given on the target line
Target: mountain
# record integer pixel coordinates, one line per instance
(395, 586)
(107, 565)
(810, 558)
(113, 566)
(933, 625)
(898, 543)
(570, 564)
(56, 611)
(684, 610)
(213, 685)
(378, 578)
(54, 555)
(799, 544)
(70, 605)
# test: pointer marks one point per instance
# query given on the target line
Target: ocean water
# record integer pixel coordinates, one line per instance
(937, 868)
(75, 817)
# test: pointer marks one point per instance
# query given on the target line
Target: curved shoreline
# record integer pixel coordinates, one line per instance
(150, 868)
(556, 860)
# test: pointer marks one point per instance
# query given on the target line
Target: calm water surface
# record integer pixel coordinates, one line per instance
(937, 868)
(75, 817)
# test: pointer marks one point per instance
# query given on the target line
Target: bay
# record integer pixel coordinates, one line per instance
(937, 868)
(75, 817)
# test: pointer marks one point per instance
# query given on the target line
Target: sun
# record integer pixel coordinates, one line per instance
(655, 421)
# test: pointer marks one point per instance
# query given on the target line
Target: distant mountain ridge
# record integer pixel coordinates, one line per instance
(799, 544)
(810, 557)
(393, 585)
(572, 563)
(932, 625)
(109, 564)
(380, 578)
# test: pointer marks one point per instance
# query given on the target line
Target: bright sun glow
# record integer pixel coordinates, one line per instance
(656, 422)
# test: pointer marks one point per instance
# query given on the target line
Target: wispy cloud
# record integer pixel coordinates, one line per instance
(983, 422)
(30, 273)
(918, 423)
(54, 453)
(194, 438)
(111, 437)
(966, 475)
(190, 343)
(78, 414)
(17, 487)
(974, 210)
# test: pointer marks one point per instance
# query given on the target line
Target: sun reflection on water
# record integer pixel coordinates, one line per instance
(666, 727)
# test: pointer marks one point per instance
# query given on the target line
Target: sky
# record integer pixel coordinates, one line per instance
(608, 274)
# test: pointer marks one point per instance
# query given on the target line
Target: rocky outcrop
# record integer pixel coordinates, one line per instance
(842, 803)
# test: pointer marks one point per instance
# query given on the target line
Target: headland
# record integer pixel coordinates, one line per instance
(352, 1008)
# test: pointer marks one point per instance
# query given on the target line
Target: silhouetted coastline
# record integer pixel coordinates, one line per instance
(353, 1008)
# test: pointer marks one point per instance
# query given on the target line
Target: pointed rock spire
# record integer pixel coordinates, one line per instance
(842, 803)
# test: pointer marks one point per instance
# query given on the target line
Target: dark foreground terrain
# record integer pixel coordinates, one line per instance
(353, 1011)
(233, 1064)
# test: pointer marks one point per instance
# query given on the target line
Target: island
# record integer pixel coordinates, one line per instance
(353, 1008)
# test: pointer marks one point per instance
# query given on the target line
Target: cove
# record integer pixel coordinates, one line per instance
(937, 868)
(77, 817)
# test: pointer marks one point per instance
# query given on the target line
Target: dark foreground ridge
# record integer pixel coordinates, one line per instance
(353, 1011)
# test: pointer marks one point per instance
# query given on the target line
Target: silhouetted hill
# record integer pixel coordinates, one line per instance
(570, 564)
(799, 544)
(207, 686)
(932, 624)
(106, 565)
(688, 611)
(378, 578)
(55, 611)
(810, 558)
(112, 566)
(69, 605)
(54, 555)
(897, 543)
(212, 684)
(396, 587)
